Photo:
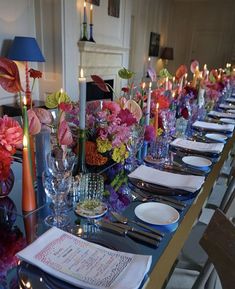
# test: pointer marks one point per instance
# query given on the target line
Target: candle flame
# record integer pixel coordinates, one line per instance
(197, 68)
(81, 73)
(143, 85)
(61, 90)
(84, 4)
(157, 105)
(173, 94)
(173, 79)
(25, 142)
(24, 100)
(205, 67)
(186, 75)
(91, 7)
(167, 79)
(150, 84)
(149, 58)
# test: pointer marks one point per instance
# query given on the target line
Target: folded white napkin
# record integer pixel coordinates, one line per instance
(188, 183)
(228, 106)
(213, 126)
(198, 146)
(230, 99)
(221, 114)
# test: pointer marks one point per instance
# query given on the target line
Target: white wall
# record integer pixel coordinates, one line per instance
(16, 18)
(202, 30)
(195, 29)
(148, 16)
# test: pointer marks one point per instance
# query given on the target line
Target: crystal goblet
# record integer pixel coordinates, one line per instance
(134, 144)
(57, 188)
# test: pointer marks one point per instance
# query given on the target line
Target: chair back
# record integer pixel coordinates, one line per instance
(218, 241)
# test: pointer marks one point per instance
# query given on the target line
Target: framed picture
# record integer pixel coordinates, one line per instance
(114, 8)
(154, 44)
(94, 2)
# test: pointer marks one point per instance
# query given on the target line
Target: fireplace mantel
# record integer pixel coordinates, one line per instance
(103, 60)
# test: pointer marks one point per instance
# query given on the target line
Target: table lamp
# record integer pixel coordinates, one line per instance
(167, 54)
(26, 49)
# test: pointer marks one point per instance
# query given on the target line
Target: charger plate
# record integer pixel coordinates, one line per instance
(157, 213)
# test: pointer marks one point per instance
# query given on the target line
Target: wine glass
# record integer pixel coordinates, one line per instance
(60, 161)
(169, 122)
(134, 144)
(57, 188)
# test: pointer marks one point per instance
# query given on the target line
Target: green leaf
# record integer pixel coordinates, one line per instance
(212, 78)
(125, 73)
(163, 73)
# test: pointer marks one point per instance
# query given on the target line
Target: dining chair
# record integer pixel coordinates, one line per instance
(193, 258)
(218, 241)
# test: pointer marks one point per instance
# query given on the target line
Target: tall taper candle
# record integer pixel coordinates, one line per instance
(28, 194)
(148, 104)
(91, 14)
(156, 119)
(82, 100)
(84, 12)
(167, 80)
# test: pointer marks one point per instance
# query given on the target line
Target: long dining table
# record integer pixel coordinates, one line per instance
(32, 225)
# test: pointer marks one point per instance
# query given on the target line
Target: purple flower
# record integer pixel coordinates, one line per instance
(150, 133)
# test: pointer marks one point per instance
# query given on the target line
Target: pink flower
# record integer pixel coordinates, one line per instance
(67, 107)
(11, 134)
(5, 163)
(44, 115)
(125, 89)
(126, 117)
(112, 106)
(64, 133)
(34, 122)
(150, 133)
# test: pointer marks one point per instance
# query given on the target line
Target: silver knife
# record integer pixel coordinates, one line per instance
(123, 232)
(141, 232)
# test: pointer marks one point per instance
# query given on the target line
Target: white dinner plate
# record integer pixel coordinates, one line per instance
(227, 120)
(198, 162)
(216, 136)
(157, 213)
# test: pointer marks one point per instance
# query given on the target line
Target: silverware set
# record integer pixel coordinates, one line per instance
(147, 197)
(149, 236)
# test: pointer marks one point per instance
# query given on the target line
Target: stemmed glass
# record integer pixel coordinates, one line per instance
(57, 189)
(168, 121)
(134, 144)
(57, 182)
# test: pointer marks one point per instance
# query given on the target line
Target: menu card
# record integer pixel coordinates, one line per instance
(213, 126)
(85, 264)
(198, 146)
(221, 114)
(230, 99)
(228, 106)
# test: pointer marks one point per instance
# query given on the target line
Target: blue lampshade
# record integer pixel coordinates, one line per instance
(25, 49)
